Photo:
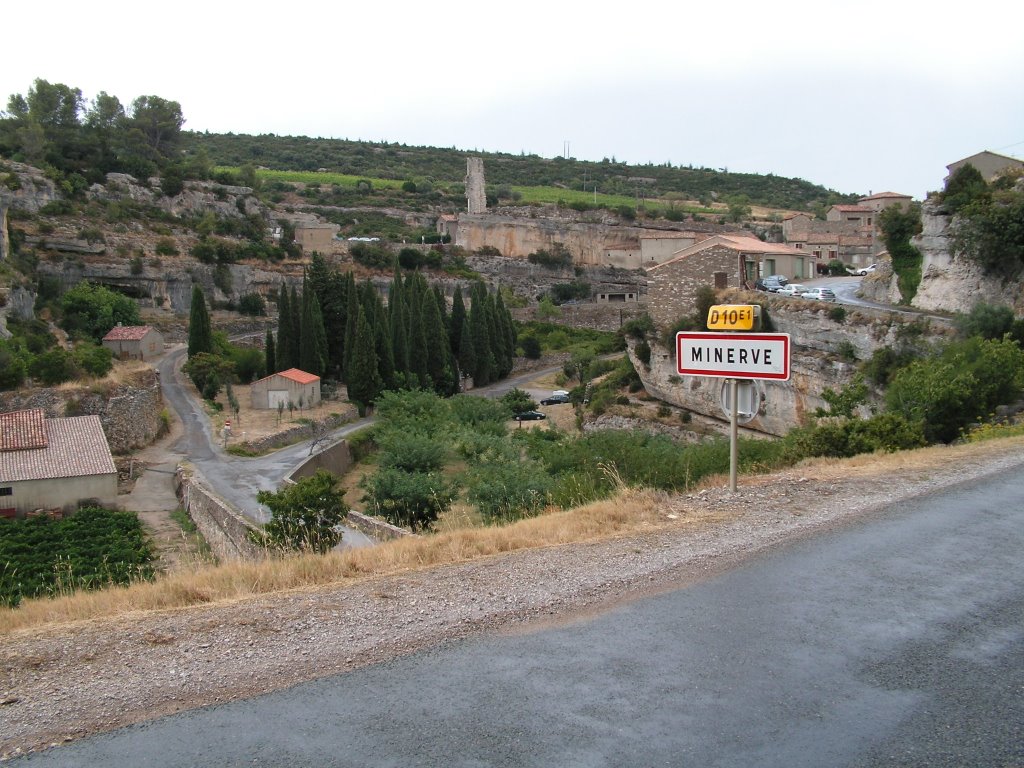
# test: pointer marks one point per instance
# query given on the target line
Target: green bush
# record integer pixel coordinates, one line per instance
(410, 499)
(166, 246)
(886, 432)
(252, 304)
(507, 490)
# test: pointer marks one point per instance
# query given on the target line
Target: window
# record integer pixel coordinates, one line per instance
(6, 491)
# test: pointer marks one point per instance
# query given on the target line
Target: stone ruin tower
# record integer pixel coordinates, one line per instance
(476, 199)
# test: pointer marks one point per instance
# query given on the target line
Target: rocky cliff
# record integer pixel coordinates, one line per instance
(949, 283)
(826, 350)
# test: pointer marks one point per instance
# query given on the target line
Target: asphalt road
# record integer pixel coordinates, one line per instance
(895, 641)
(237, 479)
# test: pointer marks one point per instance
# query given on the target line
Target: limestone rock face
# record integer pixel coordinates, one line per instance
(821, 359)
(33, 192)
(951, 283)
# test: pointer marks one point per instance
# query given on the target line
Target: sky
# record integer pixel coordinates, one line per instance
(871, 96)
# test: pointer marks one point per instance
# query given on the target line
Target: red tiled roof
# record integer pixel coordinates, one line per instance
(76, 447)
(127, 333)
(294, 374)
(885, 196)
(22, 430)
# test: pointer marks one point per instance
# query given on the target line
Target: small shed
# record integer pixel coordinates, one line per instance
(53, 463)
(134, 342)
(291, 386)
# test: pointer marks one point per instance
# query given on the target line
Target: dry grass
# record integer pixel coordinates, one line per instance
(629, 511)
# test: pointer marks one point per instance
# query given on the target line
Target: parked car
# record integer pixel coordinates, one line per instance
(819, 294)
(555, 400)
(865, 270)
(529, 416)
(792, 289)
(770, 283)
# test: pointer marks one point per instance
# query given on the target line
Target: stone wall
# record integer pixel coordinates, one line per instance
(301, 431)
(129, 412)
(225, 531)
(672, 287)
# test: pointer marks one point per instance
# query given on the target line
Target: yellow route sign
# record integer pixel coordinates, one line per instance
(734, 317)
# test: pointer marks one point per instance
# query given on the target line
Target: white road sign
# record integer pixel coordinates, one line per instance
(733, 355)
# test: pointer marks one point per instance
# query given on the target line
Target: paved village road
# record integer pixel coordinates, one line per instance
(896, 640)
(237, 479)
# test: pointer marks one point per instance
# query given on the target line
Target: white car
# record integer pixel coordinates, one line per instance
(793, 289)
(819, 294)
(865, 270)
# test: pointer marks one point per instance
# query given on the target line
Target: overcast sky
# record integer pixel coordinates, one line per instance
(863, 96)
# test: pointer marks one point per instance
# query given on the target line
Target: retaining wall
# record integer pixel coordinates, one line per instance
(225, 531)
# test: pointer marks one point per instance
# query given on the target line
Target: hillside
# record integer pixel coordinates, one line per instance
(434, 165)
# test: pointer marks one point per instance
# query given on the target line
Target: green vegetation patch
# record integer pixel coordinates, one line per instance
(92, 549)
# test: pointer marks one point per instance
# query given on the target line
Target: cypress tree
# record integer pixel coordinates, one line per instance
(457, 321)
(364, 382)
(382, 344)
(351, 322)
(481, 335)
(439, 366)
(507, 333)
(200, 337)
(270, 353)
(467, 354)
(295, 329)
(284, 331)
(418, 351)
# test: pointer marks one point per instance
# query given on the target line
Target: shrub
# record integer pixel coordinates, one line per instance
(166, 246)
(410, 499)
(531, 347)
(94, 359)
(837, 314)
(252, 304)
(506, 490)
(643, 353)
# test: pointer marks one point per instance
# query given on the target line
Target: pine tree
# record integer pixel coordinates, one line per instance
(200, 337)
(270, 353)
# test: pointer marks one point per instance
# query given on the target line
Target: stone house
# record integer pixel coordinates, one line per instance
(720, 261)
(315, 236)
(849, 233)
(989, 165)
(291, 386)
(134, 342)
(53, 464)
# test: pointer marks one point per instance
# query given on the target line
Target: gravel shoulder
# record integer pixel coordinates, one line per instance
(65, 682)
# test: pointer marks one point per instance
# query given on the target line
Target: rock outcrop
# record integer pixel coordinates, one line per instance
(825, 354)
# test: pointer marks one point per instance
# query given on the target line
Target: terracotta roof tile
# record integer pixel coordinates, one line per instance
(294, 374)
(127, 333)
(22, 430)
(76, 446)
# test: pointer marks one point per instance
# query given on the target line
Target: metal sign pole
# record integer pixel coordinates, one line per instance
(734, 448)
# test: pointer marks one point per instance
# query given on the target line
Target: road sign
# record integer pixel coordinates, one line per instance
(748, 397)
(733, 355)
(733, 317)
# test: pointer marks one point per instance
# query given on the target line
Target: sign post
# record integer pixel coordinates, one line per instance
(734, 356)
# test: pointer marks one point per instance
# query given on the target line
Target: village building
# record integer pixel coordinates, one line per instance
(134, 342)
(53, 464)
(850, 233)
(293, 386)
(989, 165)
(720, 261)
